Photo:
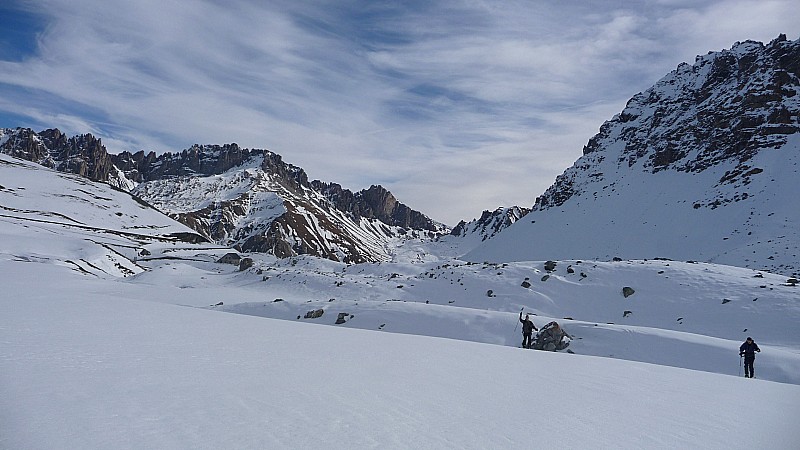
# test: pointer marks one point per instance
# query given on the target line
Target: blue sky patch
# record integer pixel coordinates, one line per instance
(18, 31)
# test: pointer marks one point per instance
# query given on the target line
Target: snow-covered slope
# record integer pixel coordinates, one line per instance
(110, 340)
(106, 228)
(702, 166)
(90, 365)
(88, 226)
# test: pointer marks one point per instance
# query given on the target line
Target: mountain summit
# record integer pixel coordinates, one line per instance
(252, 200)
(701, 166)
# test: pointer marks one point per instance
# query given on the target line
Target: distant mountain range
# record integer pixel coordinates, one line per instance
(244, 198)
(701, 166)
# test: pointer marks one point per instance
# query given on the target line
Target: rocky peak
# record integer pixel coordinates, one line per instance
(291, 177)
(376, 203)
(726, 107)
(491, 222)
(83, 155)
(702, 166)
(196, 160)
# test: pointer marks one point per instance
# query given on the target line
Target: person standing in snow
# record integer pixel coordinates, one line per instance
(748, 349)
(527, 330)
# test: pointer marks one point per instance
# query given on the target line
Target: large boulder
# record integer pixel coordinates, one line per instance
(551, 337)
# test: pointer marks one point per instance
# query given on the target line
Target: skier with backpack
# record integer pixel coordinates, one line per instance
(527, 330)
(748, 350)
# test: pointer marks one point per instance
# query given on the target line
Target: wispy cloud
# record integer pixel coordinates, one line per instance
(455, 106)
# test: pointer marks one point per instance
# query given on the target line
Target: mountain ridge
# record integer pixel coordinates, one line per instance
(359, 224)
(700, 166)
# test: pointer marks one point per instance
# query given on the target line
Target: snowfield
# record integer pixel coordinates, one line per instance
(87, 367)
(116, 334)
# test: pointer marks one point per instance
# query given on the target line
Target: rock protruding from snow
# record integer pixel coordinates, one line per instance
(82, 155)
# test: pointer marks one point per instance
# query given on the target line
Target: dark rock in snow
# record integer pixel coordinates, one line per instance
(245, 264)
(314, 314)
(230, 258)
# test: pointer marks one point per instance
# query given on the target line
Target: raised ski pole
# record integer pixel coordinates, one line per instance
(516, 324)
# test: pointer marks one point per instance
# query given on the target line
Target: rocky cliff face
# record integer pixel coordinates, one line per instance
(701, 166)
(376, 203)
(83, 155)
(196, 160)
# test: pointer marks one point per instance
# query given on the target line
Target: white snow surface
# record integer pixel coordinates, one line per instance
(645, 215)
(94, 356)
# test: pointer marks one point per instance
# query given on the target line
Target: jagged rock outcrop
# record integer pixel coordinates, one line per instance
(83, 155)
(196, 160)
(376, 203)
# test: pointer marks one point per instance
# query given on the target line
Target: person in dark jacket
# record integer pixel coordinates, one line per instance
(748, 349)
(527, 330)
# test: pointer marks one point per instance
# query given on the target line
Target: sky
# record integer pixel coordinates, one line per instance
(454, 106)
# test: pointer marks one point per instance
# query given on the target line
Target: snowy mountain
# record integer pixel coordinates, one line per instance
(253, 201)
(121, 329)
(244, 198)
(701, 166)
(465, 236)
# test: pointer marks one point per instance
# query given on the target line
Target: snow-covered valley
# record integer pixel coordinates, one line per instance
(119, 333)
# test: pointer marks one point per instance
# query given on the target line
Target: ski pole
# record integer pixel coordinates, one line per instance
(740, 365)
(516, 324)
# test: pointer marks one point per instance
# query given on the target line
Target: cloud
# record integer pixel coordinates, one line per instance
(455, 106)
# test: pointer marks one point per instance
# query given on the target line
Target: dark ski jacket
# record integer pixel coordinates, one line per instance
(749, 350)
(527, 325)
